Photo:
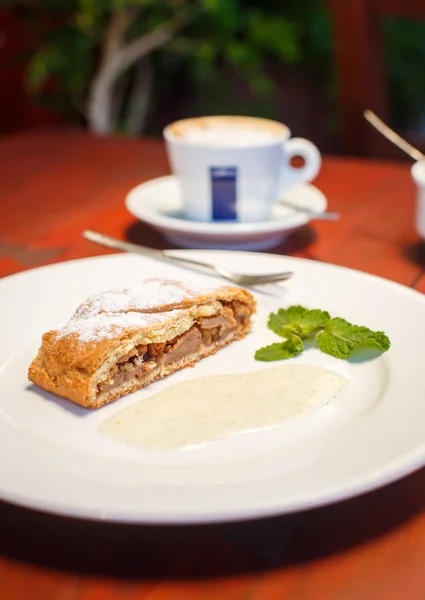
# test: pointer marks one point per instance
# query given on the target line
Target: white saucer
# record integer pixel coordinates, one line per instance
(158, 203)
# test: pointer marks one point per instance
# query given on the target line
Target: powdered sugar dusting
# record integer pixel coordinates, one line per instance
(142, 297)
(108, 314)
(94, 327)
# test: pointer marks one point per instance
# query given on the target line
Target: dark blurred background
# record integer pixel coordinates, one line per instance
(128, 67)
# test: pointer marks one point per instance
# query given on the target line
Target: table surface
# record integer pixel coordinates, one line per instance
(53, 185)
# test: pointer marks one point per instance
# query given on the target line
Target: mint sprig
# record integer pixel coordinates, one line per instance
(336, 337)
(340, 338)
(282, 350)
(297, 320)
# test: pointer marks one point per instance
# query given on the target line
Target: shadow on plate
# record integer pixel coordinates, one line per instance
(201, 552)
(66, 405)
(360, 355)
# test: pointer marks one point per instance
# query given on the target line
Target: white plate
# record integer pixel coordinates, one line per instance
(158, 203)
(54, 459)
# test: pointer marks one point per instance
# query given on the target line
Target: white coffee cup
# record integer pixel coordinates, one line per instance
(418, 173)
(236, 168)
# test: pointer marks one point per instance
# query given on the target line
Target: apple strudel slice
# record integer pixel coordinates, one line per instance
(120, 341)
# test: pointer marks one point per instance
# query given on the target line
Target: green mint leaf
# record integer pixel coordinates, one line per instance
(340, 338)
(282, 350)
(297, 320)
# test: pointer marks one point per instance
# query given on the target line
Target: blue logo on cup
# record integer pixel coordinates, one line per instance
(223, 193)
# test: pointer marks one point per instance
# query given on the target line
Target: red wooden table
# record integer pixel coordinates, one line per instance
(55, 184)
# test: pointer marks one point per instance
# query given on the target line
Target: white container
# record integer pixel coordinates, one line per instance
(240, 175)
(418, 173)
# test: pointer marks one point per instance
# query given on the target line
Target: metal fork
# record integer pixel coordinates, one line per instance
(238, 278)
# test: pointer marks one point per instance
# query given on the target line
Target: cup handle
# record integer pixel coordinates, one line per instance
(312, 161)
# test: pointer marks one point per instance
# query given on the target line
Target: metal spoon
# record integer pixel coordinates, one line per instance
(391, 135)
(313, 214)
(238, 278)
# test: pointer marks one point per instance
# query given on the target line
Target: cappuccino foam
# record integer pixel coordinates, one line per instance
(228, 136)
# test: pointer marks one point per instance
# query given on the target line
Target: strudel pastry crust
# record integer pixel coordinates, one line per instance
(120, 341)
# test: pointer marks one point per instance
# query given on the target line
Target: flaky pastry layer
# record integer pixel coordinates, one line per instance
(122, 340)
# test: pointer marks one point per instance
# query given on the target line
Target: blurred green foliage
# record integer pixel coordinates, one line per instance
(241, 46)
(219, 33)
(226, 44)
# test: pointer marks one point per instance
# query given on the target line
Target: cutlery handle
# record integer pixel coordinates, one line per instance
(391, 135)
(322, 216)
(110, 242)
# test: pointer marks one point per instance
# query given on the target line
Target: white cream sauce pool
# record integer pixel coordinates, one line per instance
(205, 409)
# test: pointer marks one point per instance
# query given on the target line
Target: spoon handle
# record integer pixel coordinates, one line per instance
(391, 135)
(321, 216)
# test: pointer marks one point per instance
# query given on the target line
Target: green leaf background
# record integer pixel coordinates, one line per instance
(227, 44)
